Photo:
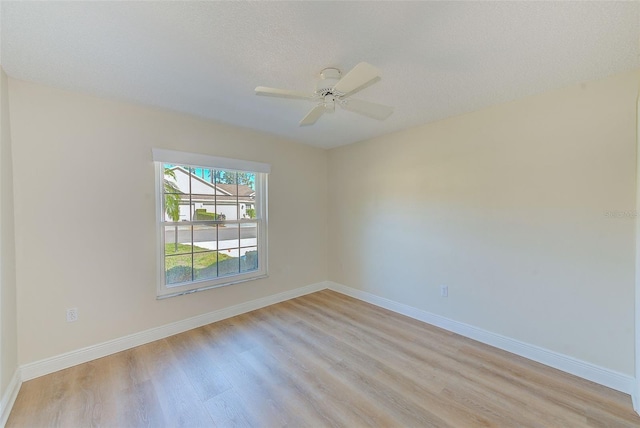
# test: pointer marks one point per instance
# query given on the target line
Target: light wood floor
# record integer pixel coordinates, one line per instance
(319, 360)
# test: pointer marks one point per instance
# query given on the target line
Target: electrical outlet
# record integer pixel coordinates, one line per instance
(444, 291)
(72, 314)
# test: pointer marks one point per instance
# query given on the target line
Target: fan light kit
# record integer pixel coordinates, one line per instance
(333, 89)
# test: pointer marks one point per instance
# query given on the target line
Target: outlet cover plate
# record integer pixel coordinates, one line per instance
(444, 290)
(72, 314)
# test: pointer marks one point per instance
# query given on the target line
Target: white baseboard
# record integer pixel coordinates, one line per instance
(69, 359)
(612, 379)
(9, 397)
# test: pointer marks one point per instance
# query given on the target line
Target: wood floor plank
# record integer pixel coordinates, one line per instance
(192, 357)
(295, 397)
(48, 394)
(138, 406)
(260, 399)
(227, 410)
(340, 397)
(321, 360)
(394, 354)
(400, 390)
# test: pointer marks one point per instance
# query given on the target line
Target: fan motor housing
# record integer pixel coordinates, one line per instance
(329, 103)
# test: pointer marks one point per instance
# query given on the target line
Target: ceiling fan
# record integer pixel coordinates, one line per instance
(333, 89)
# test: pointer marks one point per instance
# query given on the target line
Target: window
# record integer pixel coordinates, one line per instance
(211, 220)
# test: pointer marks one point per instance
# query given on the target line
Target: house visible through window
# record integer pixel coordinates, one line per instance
(212, 221)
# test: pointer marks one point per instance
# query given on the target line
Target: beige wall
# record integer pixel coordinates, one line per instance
(77, 247)
(8, 315)
(507, 207)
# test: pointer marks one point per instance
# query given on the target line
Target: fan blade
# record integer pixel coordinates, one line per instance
(313, 116)
(360, 76)
(283, 93)
(366, 108)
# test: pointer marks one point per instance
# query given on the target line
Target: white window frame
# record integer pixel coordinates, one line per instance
(261, 171)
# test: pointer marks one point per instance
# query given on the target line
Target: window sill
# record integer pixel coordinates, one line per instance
(208, 286)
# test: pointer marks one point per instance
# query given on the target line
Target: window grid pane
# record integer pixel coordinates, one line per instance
(199, 199)
(178, 268)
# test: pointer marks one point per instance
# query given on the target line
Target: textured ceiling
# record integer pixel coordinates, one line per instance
(438, 59)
